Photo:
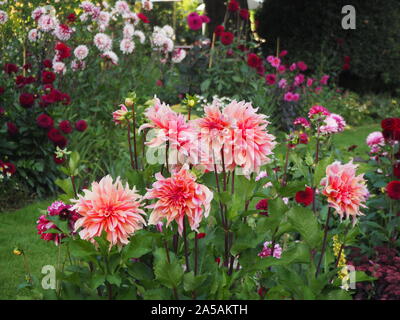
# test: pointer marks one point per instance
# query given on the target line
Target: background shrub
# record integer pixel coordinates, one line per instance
(373, 49)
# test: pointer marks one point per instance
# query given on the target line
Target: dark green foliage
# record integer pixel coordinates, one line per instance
(311, 31)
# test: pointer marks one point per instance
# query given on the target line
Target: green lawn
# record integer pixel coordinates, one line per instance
(18, 228)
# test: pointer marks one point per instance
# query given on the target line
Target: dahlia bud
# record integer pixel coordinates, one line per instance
(18, 252)
(129, 102)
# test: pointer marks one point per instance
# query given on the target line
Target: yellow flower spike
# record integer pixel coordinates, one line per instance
(343, 272)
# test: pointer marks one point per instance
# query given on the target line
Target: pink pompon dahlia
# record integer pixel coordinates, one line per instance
(267, 250)
(375, 139)
(345, 191)
(250, 143)
(302, 122)
(333, 123)
(178, 197)
(111, 208)
(318, 111)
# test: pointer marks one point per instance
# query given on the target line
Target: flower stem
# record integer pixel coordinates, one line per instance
(73, 185)
(324, 241)
(185, 244)
(130, 145)
(134, 136)
(286, 166)
(196, 253)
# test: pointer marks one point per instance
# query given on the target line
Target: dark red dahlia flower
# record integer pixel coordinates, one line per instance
(54, 135)
(143, 17)
(58, 160)
(48, 77)
(65, 126)
(253, 60)
(303, 138)
(219, 30)
(26, 100)
(10, 68)
(244, 14)
(396, 170)
(200, 235)
(48, 63)
(263, 205)
(227, 38)
(12, 129)
(393, 189)
(305, 197)
(63, 51)
(233, 6)
(44, 121)
(81, 125)
(71, 17)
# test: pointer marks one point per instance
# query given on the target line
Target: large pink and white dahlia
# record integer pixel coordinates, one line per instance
(345, 191)
(81, 52)
(109, 207)
(375, 140)
(250, 143)
(178, 197)
(173, 128)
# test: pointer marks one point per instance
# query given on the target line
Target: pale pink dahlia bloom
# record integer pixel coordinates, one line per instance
(333, 123)
(375, 139)
(102, 41)
(109, 207)
(63, 32)
(81, 52)
(178, 197)
(345, 191)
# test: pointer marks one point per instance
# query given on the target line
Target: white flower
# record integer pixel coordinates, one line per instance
(63, 32)
(178, 55)
(122, 7)
(3, 17)
(103, 42)
(47, 23)
(128, 31)
(169, 32)
(38, 12)
(33, 35)
(140, 35)
(127, 46)
(168, 45)
(59, 67)
(110, 55)
(87, 6)
(103, 19)
(147, 5)
(81, 52)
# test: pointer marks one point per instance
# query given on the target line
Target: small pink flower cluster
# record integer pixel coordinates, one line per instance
(267, 250)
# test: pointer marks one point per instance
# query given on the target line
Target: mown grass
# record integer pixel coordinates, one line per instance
(18, 229)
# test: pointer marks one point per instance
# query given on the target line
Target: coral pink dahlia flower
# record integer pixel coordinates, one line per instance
(346, 192)
(177, 197)
(109, 207)
(250, 144)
